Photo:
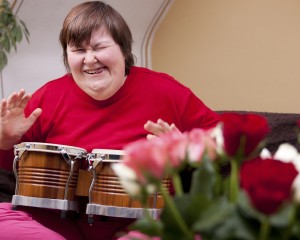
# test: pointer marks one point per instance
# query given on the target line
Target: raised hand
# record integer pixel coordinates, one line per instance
(13, 123)
(158, 128)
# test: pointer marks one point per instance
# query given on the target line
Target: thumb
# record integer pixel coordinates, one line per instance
(35, 114)
(151, 136)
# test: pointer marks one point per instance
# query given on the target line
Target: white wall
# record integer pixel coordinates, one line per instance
(41, 60)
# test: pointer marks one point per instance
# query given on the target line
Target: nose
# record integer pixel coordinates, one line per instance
(89, 57)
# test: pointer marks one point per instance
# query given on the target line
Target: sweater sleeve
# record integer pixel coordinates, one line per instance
(197, 115)
(6, 159)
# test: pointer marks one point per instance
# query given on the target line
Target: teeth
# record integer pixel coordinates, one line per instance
(94, 71)
(91, 71)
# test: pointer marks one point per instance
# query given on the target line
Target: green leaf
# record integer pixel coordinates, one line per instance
(6, 43)
(185, 204)
(246, 207)
(204, 179)
(147, 226)
(25, 30)
(235, 228)
(18, 34)
(11, 31)
(3, 60)
(216, 213)
(282, 217)
(182, 204)
(295, 230)
(190, 207)
(14, 32)
(171, 235)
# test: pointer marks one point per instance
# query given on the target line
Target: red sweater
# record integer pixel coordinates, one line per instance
(71, 117)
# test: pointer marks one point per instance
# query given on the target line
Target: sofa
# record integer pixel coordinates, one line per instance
(283, 129)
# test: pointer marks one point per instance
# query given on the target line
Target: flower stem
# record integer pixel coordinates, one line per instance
(176, 215)
(177, 184)
(264, 229)
(292, 220)
(234, 181)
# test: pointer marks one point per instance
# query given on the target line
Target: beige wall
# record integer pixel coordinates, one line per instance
(234, 54)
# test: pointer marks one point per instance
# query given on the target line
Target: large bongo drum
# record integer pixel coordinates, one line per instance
(46, 175)
(107, 196)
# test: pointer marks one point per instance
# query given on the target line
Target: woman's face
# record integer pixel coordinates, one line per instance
(98, 67)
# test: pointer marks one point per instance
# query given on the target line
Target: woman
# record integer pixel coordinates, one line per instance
(102, 102)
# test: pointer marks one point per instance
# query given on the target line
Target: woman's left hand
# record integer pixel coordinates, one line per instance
(158, 128)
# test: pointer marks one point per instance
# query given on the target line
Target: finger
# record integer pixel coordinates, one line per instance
(34, 115)
(174, 128)
(148, 125)
(153, 128)
(3, 107)
(164, 125)
(19, 98)
(25, 100)
(11, 100)
(151, 136)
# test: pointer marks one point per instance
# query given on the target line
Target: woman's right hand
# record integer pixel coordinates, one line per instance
(13, 123)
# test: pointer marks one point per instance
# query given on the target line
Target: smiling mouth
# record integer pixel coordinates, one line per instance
(94, 71)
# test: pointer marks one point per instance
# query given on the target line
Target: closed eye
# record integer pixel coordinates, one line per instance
(79, 50)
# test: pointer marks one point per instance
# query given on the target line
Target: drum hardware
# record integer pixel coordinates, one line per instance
(92, 169)
(18, 154)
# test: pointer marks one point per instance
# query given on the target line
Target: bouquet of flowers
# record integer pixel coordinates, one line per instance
(238, 189)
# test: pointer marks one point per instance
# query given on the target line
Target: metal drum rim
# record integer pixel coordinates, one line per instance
(96, 155)
(108, 151)
(45, 147)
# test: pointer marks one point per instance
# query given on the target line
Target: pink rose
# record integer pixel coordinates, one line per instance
(268, 182)
(201, 143)
(176, 145)
(137, 235)
(146, 158)
(253, 128)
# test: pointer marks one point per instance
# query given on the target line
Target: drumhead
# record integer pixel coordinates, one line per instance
(107, 155)
(49, 148)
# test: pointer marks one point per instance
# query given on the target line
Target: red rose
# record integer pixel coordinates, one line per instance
(298, 123)
(252, 126)
(268, 182)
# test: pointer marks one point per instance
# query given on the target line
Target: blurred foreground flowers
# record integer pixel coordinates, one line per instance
(238, 189)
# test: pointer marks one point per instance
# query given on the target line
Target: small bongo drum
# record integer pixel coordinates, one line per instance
(107, 196)
(46, 175)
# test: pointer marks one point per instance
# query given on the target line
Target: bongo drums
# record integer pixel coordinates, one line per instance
(46, 175)
(107, 196)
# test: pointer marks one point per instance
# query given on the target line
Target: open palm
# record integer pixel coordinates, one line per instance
(13, 123)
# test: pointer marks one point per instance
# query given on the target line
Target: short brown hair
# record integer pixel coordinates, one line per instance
(86, 17)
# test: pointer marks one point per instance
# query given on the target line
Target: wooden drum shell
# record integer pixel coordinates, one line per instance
(45, 175)
(107, 189)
